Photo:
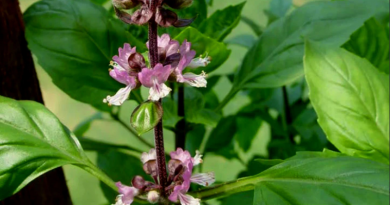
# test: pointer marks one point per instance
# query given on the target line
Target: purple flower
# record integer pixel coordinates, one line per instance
(166, 46)
(148, 156)
(121, 62)
(204, 179)
(180, 190)
(123, 74)
(126, 194)
(181, 155)
(187, 60)
(155, 79)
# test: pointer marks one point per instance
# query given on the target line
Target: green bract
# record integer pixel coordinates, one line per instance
(146, 116)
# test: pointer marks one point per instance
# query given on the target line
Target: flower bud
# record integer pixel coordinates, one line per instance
(172, 165)
(136, 62)
(178, 4)
(138, 182)
(153, 197)
(150, 168)
(125, 4)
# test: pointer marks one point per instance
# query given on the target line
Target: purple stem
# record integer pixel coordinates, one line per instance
(158, 130)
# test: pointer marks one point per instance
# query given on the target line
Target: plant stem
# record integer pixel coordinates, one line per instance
(287, 114)
(180, 137)
(158, 130)
(225, 101)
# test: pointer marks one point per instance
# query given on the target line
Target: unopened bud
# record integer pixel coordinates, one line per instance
(150, 168)
(178, 4)
(153, 197)
(125, 4)
(172, 165)
(138, 182)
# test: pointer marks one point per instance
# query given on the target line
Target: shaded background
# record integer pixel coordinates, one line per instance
(84, 188)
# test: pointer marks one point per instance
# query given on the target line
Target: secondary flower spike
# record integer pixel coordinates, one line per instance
(180, 177)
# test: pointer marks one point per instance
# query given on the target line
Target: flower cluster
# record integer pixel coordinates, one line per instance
(130, 69)
(164, 17)
(180, 177)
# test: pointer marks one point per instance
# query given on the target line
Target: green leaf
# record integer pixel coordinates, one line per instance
(318, 178)
(222, 135)
(276, 59)
(278, 9)
(146, 116)
(94, 145)
(170, 116)
(33, 141)
(74, 41)
(257, 29)
(203, 44)
(84, 125)
(312, 136)
(319, 183)
(247, 128)
(99, 2)
(351, 98)
(239, 198)
(194, 138)
(222, 22)
(244, 40)
(194, 108)
(371, 42)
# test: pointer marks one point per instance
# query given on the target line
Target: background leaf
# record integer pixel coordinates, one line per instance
(170, 116)
(194, 108)
(244, 40)
(203, 44)
(222, 22)
(351, 98)
(276, 58)
(278, 9)
(371, 42)
(74, 41)
(84, 125)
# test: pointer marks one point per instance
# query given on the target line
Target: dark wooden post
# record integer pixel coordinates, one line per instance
(19, 80)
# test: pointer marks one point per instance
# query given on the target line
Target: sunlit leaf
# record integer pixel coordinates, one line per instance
(351, 98)
(32, 142)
